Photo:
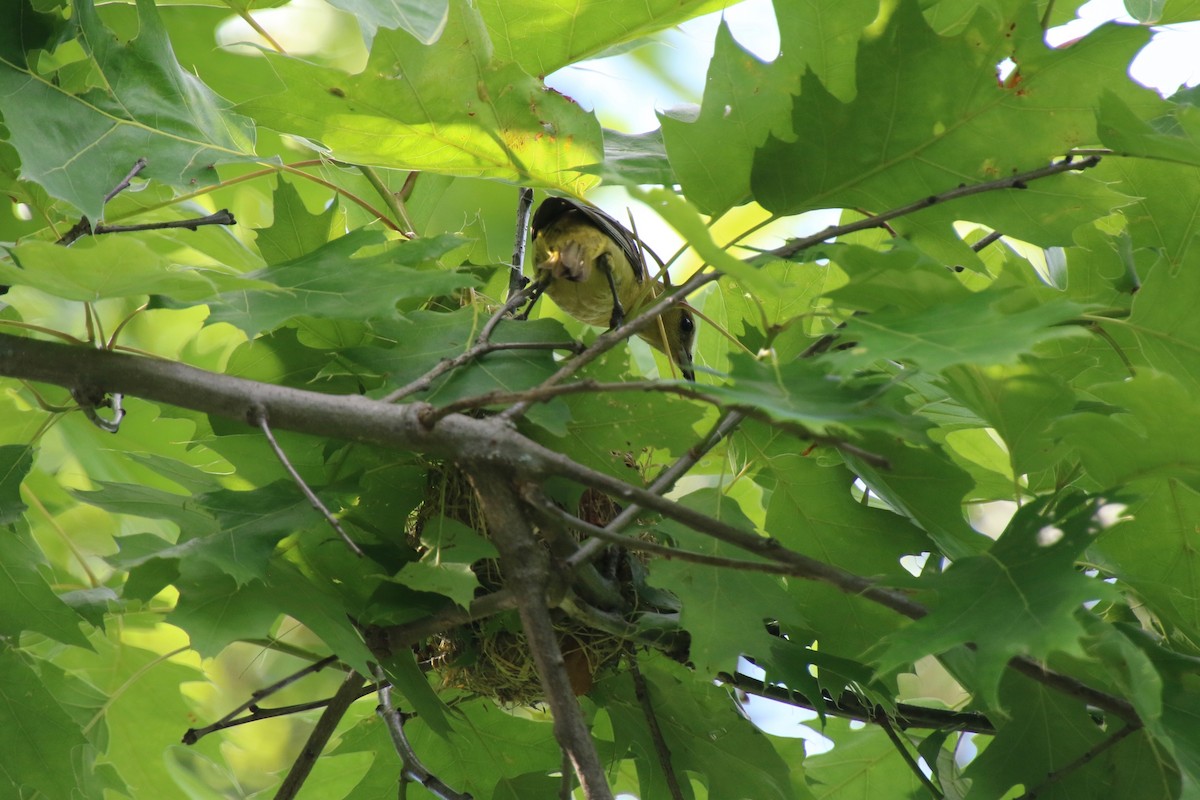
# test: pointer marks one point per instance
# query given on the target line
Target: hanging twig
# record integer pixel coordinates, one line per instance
(411, 768)
(902, 748)
(517, 280)
(347, 693)
(260, 419)
(642, 692)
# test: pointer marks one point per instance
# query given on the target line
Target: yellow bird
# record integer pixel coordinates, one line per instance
(593, 268)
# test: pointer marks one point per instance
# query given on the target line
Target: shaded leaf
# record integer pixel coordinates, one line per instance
(27, 603)
(1020, 598)
(80, 146)
(315, 285)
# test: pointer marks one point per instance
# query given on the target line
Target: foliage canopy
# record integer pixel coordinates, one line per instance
(1001, 327)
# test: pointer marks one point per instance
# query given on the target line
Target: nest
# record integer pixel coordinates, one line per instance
(491, 657)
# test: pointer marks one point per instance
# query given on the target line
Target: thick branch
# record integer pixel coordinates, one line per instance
(347, 693)
(526, 567)
(482, 443)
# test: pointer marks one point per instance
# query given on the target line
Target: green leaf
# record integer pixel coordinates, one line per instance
(639, 159)
(863, 760)
(40, 741)
(424, 19)
(146, 712)
(485, 747)
(864, 155)
(27, 603)
(823, 36)
(812, 510)
(1019, 403)
(1044, 734)
(1164, 324)
(724, 610)
(315, 285)
(80, 146)
(924, 485)
(1022, 597)
(545, 35)
(1156, 433)
(15, 461)
(445, 108)
(683, 217)
(1152, 553)
(745, 100)
(445, 566)
(215, 610)
(804, 395)
(102, 267)
(1172, 134)
(987, 327)
(703, 732)
(294, 232)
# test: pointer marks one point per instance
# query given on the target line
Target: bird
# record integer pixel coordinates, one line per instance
(592, 267)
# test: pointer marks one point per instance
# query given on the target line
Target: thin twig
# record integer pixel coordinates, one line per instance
(194, 735)
(393, 199)
(902, 748)
(994, 236)
(480, 348)
(543, 505)
(661, 484)
(849, 705)
(411, 768)
(516, 280)
(1016, 181)
(260, 419)
(222, 217)
(83, 228)
(347, 693)
(642, 692)
(138, 166)
(1083, 760)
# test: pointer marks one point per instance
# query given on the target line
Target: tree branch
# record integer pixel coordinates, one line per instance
(347, 693)
(313, 500)
(526, 568)
(1018, 180)
(411, 768)
(482, 443)
(642, 692)
(850, 705)
(194, 735)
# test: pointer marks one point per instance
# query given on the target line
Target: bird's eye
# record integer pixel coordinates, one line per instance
(686, 324)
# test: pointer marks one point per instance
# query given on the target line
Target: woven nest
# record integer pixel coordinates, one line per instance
(491, 657)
